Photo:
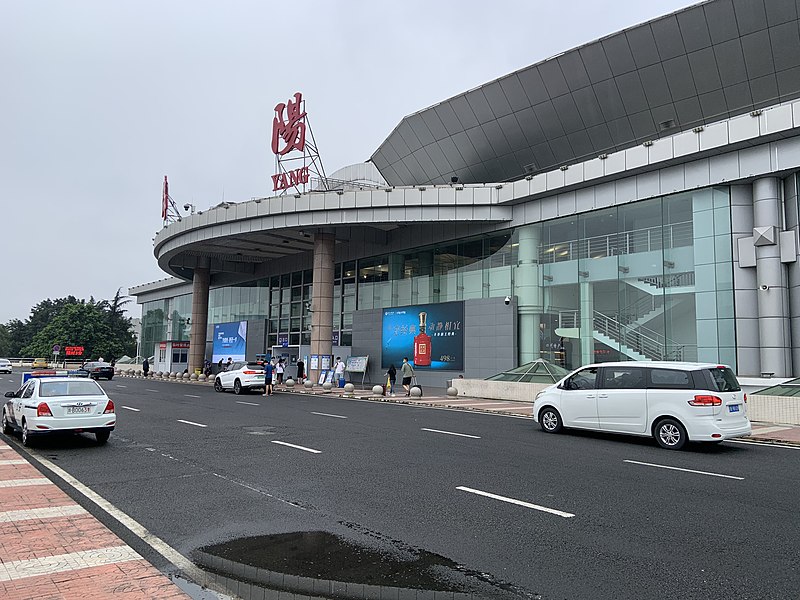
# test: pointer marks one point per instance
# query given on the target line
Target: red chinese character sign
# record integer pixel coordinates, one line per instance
(294, 147)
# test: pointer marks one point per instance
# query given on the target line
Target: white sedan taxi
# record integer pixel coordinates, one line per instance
(59, 404)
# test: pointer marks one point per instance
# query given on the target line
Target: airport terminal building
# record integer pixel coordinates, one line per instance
(635, 198)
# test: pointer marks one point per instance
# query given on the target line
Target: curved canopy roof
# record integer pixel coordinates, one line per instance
(707, 62)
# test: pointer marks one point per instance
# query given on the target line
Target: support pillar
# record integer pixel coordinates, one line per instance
(775, 346)
(322, 299)
(528, 289)
(587, 322)
(199, 324)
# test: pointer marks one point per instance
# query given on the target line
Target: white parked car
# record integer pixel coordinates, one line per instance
(241, 377)
(59, 404)
(673, 402)
(5, 365)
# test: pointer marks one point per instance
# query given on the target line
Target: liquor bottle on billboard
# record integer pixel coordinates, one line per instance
(422, 343)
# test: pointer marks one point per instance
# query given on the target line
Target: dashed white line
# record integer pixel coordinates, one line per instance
(192, 423)
(466, 435)
(131, 408)
(118, 385)
(148, 390)
(298, 447)
(636, 462)
(552, 511)
(192, 396)
(247, 403)
(328, 415)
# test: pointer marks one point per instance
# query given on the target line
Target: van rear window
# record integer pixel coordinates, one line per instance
(724, 379)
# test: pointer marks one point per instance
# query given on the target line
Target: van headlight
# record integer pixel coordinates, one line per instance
(540, 393)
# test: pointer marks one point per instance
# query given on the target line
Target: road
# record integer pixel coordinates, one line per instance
(577, 515)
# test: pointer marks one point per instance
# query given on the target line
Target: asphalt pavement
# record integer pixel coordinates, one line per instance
(578, 515)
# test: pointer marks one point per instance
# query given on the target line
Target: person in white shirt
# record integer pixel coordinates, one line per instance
(338, 371)
(279, 369)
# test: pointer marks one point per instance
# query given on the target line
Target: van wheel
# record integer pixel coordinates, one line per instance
(550, 420)
(670, 434)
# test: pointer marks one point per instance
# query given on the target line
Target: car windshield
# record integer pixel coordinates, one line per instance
(724, 380)
(51, 389)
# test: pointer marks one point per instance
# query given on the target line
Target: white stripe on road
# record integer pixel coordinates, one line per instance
(13, 461)
(192, 396)
(475, 437)
(247, 403)
(192, 423)
(147, 390)
(20, 569)
(552, 511)
(131, 408)
(328, 415)
(636, 462)
(50, 512)
(766, 443)
(298, 447)
(118, 385)
(24, 482)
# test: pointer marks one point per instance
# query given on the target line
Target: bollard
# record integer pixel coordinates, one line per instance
(416, 392)
(327, 386)
(451, 391)
(290, 383)
(193, 376)
(202, 377)
(377, 390)
(308, 384)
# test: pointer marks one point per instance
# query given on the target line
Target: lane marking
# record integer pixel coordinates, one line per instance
(131, 408)
(168, 552)
(474, 437)
(13, 461)
(298, 447)
(247, 403)
(192, 423)
(20, 569)
(552, 511)
(118, 385)
(765, 443)
(50, 512)
(147, 390)
(329, 415)
(23, 482)
(192, 396)
(636, 462)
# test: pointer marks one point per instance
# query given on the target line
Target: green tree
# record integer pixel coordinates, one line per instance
(5, 341)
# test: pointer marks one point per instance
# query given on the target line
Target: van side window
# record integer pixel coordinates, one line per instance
(669, 379)
(582, 380)
(623, 378)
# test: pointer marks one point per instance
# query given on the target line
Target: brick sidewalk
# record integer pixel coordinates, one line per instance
(51, 548)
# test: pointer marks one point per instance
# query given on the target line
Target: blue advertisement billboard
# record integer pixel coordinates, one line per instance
(431, 336)
(230, 340)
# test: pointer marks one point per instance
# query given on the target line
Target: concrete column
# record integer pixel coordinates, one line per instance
(197, 336)
(528, 289)
(773, 302)
(322, 298)
(587, 322)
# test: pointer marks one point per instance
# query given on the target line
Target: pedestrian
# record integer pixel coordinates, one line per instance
(279, 368)
(219, 366)
(408, 372)
(229, 363)
(145, 367)
(338, 372)
(301, 371)
(113, 362)
(268, 369)
(101, 359)
(391, 375)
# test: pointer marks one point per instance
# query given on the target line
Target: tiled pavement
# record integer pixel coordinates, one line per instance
(52, 549)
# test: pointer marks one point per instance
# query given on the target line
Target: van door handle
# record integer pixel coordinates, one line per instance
(603, 396)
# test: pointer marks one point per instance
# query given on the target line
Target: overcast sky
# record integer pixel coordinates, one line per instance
(100, 100)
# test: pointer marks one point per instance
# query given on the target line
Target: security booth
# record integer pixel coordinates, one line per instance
(172, 356)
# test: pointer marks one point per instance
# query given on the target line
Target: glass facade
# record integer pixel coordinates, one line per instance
(648, 280)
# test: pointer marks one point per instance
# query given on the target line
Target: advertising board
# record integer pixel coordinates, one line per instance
(230, 340)
(431, 336)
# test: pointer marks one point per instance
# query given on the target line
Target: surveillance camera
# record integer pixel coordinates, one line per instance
(507, 300)
(763, 287)
(187, 206)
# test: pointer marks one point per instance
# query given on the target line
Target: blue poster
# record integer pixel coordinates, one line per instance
(431, 336)
(230, 341)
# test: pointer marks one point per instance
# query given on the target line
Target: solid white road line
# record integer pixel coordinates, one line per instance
(192, 423)
(13, 461)
(298, 447)
(85, 559)
(247, 403)
(192, 396)
(50, 512)
(156, 543)
(131, 408)
(636, 462)
(552, 511)
(328, 415)
(22, 482)
(765, 443)
(475, 437)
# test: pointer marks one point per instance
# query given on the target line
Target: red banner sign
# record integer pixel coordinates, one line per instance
(180, 345)
(73, 350)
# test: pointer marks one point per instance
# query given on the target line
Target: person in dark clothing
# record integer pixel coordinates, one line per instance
(146, 367)
(219, 365)
(301, 371)
(392, 376)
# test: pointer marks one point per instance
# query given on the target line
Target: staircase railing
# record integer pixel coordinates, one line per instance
(668, 281)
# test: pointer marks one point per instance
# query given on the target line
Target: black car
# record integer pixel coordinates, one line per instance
(96, 370)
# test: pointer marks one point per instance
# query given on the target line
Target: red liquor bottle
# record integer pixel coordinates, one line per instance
(422, 343)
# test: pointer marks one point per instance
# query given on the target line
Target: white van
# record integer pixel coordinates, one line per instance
(673, 402)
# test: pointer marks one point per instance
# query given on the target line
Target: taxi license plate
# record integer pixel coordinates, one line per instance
(733, 408)
(79, 410)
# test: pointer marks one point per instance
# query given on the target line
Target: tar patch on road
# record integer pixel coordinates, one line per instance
(326, 557)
